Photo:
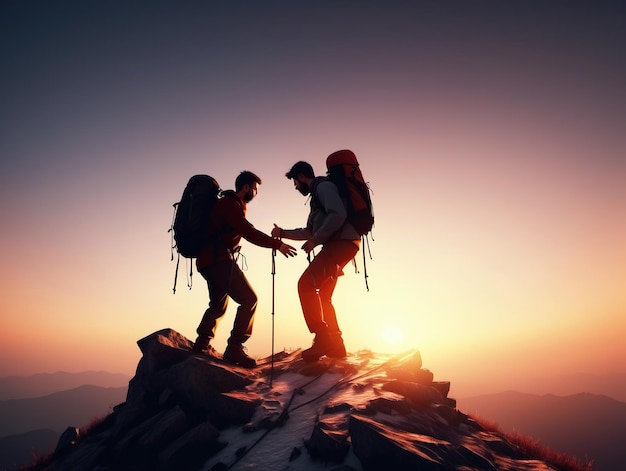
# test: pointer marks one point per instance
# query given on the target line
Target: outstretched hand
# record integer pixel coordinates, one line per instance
(276, 232)
(287, 250)
(309, 245)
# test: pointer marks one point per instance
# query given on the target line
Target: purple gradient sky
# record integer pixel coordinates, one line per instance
(492, 135)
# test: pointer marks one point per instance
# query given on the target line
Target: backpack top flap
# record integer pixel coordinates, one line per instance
(341, 157)
(192, 214)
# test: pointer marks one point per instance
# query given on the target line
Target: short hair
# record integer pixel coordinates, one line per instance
(301, 167)
(246, 178)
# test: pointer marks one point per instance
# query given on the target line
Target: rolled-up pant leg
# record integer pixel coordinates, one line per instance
(318, 282)
(225, 279)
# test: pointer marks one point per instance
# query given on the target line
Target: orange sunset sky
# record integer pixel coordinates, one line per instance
(492, 135)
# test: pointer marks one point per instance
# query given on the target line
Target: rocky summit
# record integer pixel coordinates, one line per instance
(367, 412)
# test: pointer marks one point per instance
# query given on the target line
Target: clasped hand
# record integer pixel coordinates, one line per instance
(287, 250)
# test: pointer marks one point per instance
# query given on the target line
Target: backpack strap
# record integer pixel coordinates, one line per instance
(313, 190)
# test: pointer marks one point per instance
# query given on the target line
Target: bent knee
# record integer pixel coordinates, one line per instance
(250, 300)
(306, 282)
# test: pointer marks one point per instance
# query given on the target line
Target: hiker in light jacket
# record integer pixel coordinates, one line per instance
(326, 225)
(217, 264)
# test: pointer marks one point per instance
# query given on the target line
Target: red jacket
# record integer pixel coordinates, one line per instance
(228, 225)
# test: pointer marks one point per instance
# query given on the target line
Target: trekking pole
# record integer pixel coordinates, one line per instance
(273, 296)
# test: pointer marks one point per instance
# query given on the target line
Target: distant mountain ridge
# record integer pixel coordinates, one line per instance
(42, 384)
(612, 385)
(583, 425)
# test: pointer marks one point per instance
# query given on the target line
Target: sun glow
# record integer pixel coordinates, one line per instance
(392, 335)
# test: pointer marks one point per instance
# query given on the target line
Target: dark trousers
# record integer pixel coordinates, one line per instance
(225, 279)
(317, 284)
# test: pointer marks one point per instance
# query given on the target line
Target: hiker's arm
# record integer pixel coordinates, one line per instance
(253, 235)
(291, 234)
(235, 218)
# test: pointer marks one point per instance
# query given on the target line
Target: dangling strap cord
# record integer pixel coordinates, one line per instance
(173, 246)
(171, 231)
(190, 277)
(366, 243)
(176, 273)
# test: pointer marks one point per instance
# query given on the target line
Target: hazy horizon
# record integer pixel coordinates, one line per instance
(491, 135)
(612, 385)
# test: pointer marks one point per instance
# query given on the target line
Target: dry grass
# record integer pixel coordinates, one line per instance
(534, 448)
(42, 462)
(39, 463)
(93, 426)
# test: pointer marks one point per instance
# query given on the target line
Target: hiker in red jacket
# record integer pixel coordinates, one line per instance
(218, 265)
(326, 225)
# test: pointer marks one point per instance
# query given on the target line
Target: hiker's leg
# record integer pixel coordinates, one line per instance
(308, 291)
(217, 277)
(242, 293)
(339, 253)
(327, 339)
(328, 310)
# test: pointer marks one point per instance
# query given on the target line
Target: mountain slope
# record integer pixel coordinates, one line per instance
(75, 407)
(583, 425)
(19, 450)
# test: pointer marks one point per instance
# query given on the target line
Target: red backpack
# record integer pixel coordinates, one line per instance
(344, 171)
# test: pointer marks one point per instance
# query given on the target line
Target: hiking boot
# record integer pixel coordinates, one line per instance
(235, 353)
(325, 344)
(337, 349)
(201, 344)
(208, 351)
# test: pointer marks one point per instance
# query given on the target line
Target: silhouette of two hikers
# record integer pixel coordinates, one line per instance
(327, 225)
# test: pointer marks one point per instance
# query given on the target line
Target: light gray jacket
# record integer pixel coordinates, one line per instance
(327, 219)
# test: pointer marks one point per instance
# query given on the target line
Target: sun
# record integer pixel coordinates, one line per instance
(393, 335)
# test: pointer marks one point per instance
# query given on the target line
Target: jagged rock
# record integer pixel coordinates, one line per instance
(449, 414)
(379, 447)
(84, 456)
(161, 350)
(295, 454)
(329, 440)
(233, 408)
(411, 370)
(189, 450)
(199, 382)
(388, 405)
(68, 438)
(415, 393)
(442, 386)
(128, 415)
(157, 431)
